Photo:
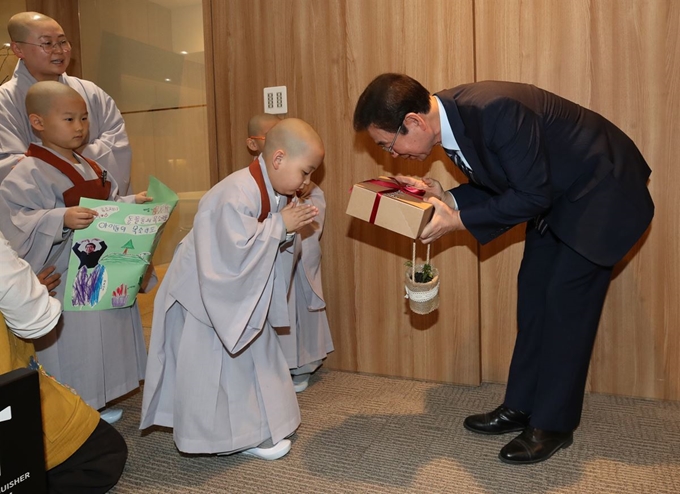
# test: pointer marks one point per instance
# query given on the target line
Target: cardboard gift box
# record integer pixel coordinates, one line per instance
(386, 203)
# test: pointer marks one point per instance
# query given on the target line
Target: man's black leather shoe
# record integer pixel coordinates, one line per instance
(500, 421)
(534, 445)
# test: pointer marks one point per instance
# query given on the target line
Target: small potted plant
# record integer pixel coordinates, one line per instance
(422, 285)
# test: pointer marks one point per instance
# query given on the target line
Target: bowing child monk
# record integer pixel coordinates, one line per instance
(216, 371)
(308, 339)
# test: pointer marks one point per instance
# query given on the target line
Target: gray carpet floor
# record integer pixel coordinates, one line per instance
(369, 434)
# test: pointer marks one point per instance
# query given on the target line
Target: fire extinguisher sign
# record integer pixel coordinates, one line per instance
(22, 457)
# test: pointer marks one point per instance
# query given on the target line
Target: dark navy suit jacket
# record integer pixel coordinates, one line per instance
(535, 153)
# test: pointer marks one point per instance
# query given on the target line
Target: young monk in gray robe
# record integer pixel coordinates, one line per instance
(101, 354)
(308, 340)
(216, 372)
(44, 54)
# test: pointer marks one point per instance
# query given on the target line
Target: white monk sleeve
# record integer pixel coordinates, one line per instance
(28, 309)
(111, 147)
(235, 260)
(28, 217)
(13, 142)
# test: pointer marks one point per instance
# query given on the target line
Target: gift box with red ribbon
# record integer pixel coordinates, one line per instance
(386, 203)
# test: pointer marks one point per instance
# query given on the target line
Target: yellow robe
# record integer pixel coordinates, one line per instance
(67, 420)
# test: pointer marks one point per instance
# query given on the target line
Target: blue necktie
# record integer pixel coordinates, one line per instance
(457, 159)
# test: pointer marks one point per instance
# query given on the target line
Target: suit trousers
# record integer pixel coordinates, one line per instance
(560, 299)
(94, 468)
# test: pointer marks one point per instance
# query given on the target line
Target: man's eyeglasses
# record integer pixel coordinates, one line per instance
(48, 46)
(391, 146)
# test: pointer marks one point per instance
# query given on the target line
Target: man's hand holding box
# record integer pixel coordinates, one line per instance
(389, 204)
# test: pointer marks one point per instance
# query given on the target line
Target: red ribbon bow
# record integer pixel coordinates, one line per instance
(393, 186)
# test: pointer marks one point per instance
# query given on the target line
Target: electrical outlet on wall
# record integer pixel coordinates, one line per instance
(275, 100)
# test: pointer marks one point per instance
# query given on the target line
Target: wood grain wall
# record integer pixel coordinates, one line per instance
(618, 57)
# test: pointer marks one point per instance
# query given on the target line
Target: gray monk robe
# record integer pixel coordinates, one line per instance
(108, 143)
(100, 354)
(216, 372)
(307, 342)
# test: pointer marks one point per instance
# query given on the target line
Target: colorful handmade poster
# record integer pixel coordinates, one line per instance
(109, 258)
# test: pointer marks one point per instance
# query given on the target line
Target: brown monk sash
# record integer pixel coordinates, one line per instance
(98, 188)
(256, 172)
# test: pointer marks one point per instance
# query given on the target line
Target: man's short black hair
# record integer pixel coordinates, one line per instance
(387, 100)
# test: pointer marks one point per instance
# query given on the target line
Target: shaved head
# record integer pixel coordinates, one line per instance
(296, 137)
(40, 96)
(21, 25)
(41, 45)
(260, 124)
(292, 152)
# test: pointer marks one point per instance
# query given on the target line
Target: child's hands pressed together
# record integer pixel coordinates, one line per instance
(141, 198)
(77, 217)
(297, 215)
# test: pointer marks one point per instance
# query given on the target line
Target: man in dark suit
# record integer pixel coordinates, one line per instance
(578, 182)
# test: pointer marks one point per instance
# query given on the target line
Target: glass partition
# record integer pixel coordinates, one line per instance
(148, 55)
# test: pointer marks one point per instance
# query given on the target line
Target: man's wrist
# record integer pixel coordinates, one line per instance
(449, 200)
(460, 220)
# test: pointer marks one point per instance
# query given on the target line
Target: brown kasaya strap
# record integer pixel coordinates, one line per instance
(54, 160)
(61, 165)
(97, 188)
(93, 165)
(256, 172)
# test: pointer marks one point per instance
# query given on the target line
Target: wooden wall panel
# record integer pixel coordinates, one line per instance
(325, 53)
(210, 44)
(414, 38)
(638, 348)
(8, 61)
(619, 58)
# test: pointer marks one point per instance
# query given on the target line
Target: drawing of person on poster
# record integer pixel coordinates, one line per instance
(89, 285)
(89, 251)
